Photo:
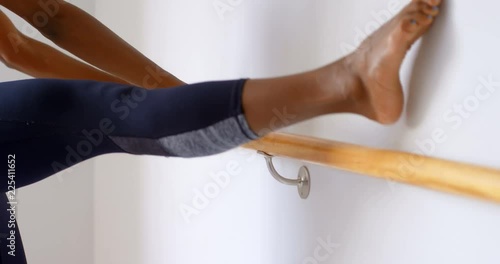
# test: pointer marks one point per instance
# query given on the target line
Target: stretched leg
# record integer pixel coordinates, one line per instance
(53, 124)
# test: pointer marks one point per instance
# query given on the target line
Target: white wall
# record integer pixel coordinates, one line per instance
(253, 218)
(118, 201)
(56, 215)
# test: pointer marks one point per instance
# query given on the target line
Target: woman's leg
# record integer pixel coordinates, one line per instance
(76, 31)
(52, 124)
(34, 58)
(49, 125)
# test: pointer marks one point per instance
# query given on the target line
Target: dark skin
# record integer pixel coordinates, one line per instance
(70, 28)
(40, 60)
(365, 82)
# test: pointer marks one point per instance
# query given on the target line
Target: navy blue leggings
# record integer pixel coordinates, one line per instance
(49, 125)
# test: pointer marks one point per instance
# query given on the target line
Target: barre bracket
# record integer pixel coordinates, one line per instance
(303, 182)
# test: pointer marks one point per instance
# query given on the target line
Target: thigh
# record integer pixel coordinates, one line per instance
(45, 128)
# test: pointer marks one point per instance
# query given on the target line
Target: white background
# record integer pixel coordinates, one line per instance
(137, 201)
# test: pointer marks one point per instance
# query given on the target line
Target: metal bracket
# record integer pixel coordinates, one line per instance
(303, 182)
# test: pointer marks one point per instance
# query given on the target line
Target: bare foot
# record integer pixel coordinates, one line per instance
(378, 60)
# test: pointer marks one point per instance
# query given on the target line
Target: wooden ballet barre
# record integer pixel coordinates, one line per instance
(433, 173)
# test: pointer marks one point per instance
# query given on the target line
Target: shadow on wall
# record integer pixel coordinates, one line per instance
(426, 76)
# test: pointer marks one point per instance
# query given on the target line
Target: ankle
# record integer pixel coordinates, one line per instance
(340, 86)
(352, 67)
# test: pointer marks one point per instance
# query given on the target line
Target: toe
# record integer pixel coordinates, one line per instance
(429, 10)
(429, 2)
(432, 10)
(417, 21)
